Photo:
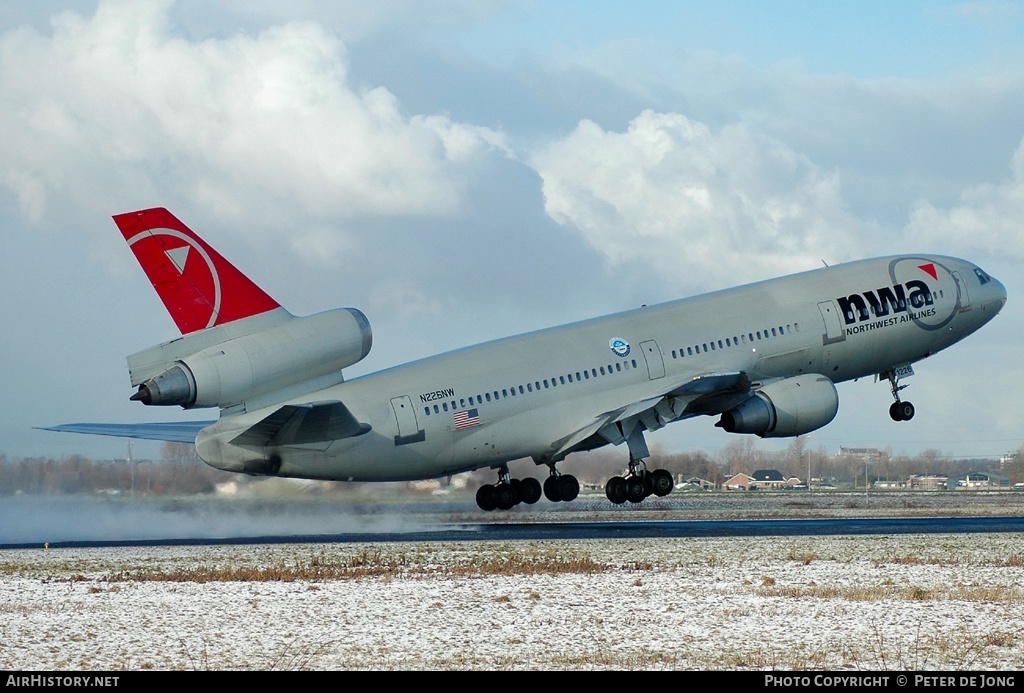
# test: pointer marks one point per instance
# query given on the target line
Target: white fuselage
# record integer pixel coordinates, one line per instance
(523, 396)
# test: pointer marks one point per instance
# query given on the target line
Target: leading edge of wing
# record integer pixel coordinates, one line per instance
(171, 431)
(701, 388)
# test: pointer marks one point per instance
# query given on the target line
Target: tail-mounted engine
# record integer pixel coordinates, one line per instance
(295, 350)
(788, 407)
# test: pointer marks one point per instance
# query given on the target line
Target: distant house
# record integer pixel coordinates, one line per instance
(977, 481)
(738, 482)
(927, 482)
(866, 454)
(769, 479)
(694, 482)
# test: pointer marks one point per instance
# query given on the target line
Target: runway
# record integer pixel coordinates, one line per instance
(641, 529)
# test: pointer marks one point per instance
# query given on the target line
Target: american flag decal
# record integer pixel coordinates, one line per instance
(466, 418)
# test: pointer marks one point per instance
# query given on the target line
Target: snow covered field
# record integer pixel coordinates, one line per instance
(859, 603)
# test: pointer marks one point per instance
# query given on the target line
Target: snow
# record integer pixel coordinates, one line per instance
(938, 602)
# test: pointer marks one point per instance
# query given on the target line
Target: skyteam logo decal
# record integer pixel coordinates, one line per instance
(619, 346)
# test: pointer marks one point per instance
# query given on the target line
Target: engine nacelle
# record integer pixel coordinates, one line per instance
(789, 407)
(297, 350)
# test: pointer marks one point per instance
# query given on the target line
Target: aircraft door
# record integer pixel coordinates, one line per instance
(833, 324)
(961, 285)
(655, 361)
(408, 429)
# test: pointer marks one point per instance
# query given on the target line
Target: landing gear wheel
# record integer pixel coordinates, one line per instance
(529, 490)
(505, 496)
(615, 490)
(906, 410)
(551, 489)
(901, 411)
(485, 498)
(661, 482)
(568, 487)
(636, 489)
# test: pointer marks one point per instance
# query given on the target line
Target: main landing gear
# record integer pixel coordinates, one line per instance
(510, 492)
(638, 483)
(899, 410)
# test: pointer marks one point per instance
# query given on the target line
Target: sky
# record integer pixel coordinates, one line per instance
(463, 170)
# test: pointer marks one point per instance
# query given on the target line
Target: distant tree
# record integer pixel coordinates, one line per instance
(1014, 467)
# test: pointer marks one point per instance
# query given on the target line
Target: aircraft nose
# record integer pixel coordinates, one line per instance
(994, 295)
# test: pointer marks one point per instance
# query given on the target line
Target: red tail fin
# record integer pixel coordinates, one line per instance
(199, 288)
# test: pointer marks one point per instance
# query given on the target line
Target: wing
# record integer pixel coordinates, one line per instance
(710, 393)
(298, 424)
(174, 431)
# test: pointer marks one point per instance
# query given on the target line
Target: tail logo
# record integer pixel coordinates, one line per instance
(202, 285)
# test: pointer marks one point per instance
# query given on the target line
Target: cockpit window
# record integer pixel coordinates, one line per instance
(982, 277)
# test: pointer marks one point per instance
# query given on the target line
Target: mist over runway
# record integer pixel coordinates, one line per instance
(58, 521)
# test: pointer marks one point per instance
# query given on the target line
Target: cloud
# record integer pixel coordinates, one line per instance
(682, 199)
(990, 217)
(251, 127)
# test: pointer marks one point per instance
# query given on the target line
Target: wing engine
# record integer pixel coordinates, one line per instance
(787, 407)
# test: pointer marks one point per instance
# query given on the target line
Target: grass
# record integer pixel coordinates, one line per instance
(371, 563)
(677, 604)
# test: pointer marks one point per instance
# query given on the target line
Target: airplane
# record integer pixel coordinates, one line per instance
(764, 358)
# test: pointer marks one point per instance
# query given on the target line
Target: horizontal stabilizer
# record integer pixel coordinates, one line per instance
(296, 424)
(173, 431)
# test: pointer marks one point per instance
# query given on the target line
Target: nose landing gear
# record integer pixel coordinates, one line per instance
(899, 410)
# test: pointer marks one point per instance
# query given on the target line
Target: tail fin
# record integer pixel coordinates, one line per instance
(199, 288)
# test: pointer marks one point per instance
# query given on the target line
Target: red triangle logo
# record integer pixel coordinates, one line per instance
(930, 269)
